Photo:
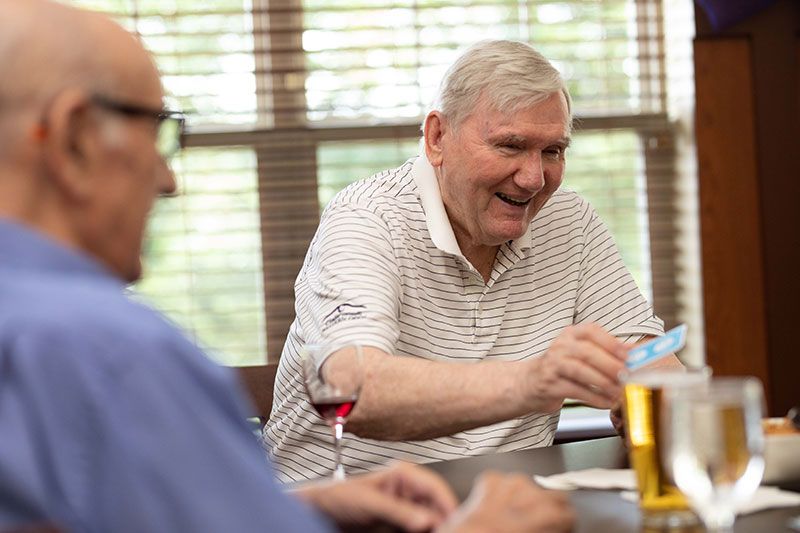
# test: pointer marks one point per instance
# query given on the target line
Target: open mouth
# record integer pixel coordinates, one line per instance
(511, 201)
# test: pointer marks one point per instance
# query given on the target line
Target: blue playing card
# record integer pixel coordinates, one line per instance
(657, 348)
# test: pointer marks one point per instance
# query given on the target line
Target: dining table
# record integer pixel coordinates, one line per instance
(597, 511)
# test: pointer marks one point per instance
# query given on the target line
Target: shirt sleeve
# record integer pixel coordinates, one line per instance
(607, 293)
(350, 289)
(134, 436)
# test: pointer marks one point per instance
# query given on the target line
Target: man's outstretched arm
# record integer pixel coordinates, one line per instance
(406, 398)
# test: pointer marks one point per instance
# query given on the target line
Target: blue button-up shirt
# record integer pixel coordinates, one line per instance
(110, 420)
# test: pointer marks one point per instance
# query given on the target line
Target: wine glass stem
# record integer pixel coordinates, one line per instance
(720, 521)
(338, 472)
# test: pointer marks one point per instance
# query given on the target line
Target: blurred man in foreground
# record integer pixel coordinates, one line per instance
(110, 420)
(484, 294)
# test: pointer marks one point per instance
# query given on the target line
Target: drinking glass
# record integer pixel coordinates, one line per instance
(716, 446)
(333, 382)
(661, 502)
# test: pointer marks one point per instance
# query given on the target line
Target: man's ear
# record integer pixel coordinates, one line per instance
(71, 143)
(436, 128)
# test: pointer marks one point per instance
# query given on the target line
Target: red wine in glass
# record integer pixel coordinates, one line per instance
(333, 409)
(333, 390)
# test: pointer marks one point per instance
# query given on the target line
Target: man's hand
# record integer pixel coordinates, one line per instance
(511, 503)
(617, 421)
(406, 496)
(583, 363)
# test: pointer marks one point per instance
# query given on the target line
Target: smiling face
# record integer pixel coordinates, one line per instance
(496, 170)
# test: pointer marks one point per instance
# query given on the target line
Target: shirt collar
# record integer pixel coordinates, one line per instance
(24, 248)
(435, 215)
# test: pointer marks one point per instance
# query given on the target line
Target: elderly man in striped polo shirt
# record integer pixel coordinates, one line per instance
(482, 294)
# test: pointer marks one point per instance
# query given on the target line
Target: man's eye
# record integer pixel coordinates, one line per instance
(554, 151)
(511, 146)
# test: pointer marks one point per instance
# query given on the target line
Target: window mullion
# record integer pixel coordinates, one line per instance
(287, 167)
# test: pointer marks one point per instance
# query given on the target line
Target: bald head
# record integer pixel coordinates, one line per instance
(75, 163)
(46, 47)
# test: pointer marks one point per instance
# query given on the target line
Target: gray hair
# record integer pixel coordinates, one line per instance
(511, 75)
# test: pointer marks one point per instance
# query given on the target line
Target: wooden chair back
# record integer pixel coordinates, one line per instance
(259, 381)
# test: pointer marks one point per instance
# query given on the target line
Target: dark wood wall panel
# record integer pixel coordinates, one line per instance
(781, 166)
(730, 215)
(748, 134)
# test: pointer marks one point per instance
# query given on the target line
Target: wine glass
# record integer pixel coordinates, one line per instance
(333, 381)
(715, 446)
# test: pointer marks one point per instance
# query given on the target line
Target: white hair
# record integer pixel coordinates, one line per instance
(511, 75)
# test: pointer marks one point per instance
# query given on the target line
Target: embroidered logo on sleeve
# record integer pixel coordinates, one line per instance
(342, 313)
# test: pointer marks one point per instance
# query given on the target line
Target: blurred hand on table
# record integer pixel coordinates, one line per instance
(413, 498)
(511, 503)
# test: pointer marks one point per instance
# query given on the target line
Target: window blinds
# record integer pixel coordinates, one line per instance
(290, 100)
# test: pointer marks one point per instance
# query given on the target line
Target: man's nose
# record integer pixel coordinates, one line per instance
(167, 184)
(530, 175)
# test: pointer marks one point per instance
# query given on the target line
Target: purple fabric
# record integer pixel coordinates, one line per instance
(725, 13)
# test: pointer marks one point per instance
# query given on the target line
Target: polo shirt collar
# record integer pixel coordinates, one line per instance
(435, 215)
(26, 249)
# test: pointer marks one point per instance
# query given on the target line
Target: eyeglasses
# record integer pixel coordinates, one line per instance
(171, 124)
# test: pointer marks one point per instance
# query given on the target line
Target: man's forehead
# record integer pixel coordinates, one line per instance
(524, 128)
(127, 61)
(553, 106)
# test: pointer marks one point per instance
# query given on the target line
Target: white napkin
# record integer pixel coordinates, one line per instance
(602, 478)
(769, 498)
(591, 478)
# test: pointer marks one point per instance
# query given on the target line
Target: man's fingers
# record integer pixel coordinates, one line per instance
(597, 335)
(404, 514)
(578, 370)
(583, 358)
(597, 357)
(557, 519)
(512, 502)
(425, 486)
(616, 419)
(584, 363)
(586, 395)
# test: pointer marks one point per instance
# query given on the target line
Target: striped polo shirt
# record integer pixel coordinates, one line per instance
(384, 270)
